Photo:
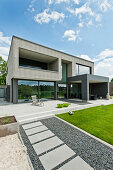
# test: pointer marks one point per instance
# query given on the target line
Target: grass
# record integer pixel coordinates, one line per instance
(6, 120)
(97, 121)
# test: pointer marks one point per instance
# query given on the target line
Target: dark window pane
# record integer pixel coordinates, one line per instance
(32, 63)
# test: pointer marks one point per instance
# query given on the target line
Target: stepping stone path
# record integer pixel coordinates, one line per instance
(53, 153)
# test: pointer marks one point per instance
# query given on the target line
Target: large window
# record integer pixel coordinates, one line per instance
(80, 69)
(26, 89)
(46, 89)
(61, 90)
(32, 63)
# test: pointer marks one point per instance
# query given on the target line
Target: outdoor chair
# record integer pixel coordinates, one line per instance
(37, 102)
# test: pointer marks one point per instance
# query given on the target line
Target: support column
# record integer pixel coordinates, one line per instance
(67, 90)
(15, 91)
(55, 90)
(85, 89)
(38, 90)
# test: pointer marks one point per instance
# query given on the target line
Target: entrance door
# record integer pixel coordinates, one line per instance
(2, 93)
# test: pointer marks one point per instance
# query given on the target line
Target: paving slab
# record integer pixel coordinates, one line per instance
(55, 157)
(76, 164)
(46, 145)
(40, 136)
(35, 130)
(31, 125)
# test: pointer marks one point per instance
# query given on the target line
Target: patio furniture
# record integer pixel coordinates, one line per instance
(37, 102)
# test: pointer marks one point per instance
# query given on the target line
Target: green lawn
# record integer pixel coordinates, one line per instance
(98, 121)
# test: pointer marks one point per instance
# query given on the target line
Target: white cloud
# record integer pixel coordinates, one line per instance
(4, 45)
(107, 53)
(67, 1)
(50, 2)
(84, 9)
(60, 1)
(90, 23)
(4, 51)
(105, 68)
(86, 57)
(47, 16)
(98, 17)
(72, 11)
(105, 5)
(76, 1)
(71, 35)
(80, 24)
(104, 63)
(4, 40)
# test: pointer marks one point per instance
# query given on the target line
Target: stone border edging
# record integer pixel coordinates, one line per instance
(96, 138)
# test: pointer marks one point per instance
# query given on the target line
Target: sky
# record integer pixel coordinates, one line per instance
(83, 28)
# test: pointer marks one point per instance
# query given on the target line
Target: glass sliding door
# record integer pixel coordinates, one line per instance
(61, 89)
(46, 89)
(26, 89)
(75, 91)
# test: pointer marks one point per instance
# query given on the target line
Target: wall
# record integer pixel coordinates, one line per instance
(99, 89)
(111, 88)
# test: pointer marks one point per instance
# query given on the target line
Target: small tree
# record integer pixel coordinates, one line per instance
(3, 71)
(112, 80)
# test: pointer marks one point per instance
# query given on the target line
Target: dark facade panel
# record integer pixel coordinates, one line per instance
(111, 89)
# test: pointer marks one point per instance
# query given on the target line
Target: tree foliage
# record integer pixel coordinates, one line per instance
(3, 71)
(112, 80)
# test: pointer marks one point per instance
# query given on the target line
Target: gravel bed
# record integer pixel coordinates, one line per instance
(95, 153)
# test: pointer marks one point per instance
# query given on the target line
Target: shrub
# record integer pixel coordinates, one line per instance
(59, 105)
(66, 104)
(63, 105)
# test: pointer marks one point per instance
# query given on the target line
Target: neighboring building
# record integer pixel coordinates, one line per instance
(111, 88)
(48, 73)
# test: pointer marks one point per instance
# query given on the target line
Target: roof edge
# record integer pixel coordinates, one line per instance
(51, 48)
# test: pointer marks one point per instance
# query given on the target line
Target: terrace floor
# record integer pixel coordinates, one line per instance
(27, 112)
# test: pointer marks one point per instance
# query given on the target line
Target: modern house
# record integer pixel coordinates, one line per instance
(48, 73)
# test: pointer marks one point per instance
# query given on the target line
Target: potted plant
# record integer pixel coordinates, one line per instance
(8, 125)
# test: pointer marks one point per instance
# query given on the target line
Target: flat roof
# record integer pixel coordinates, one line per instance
(51, 49)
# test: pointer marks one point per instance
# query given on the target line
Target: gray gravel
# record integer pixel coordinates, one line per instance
(96, 154)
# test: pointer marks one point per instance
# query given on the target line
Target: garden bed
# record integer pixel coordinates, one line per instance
(8, 126)
(7, 120)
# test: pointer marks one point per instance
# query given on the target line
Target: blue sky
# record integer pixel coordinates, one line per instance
(79, 27)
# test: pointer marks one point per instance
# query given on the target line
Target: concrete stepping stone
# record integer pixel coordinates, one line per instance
(55, 157)
(46, 145)
(40, 136)
(76, 164)
(35, 130)
(31, 125)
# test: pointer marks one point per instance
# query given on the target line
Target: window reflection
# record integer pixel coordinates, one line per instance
(80, 69)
